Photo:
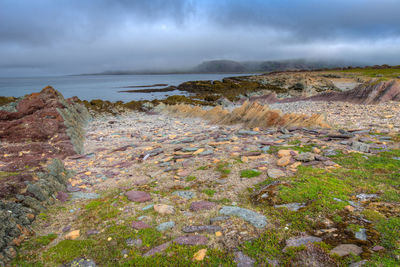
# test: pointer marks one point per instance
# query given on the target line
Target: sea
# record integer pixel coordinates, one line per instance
(105, 87)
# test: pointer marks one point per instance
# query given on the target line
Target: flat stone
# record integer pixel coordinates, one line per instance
(164, 209)
(80, 262)
(275, 173)
(82, 195)
(242, 260)
(291, 206)
(185, 194)
(71, 188)
(257, 220)
(305, 157)
(148, 207)
(358, 263)
(201, 228)
(244, 132)
(358, 146)
(361, 234)
(284, 161)
(157, 249)
(140, 225)
(165, 226)
(302, 240)
(346, 249)
(190, 149)
(219, 219)
(364, 197)
(62, 196)
(202, 205)
(138, 196)
(191, 240)
(330, 152)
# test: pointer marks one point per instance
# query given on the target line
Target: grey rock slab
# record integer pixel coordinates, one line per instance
(80, 262)
(358, 263)
(206, 152)
(302, 240)
(201, 228)
(190, 149)
(364, 197)
(291, 206)
(361, 234)
(165, 226)
(82, 195)
(254, 218)
(346, 249)
(305, 157)
(242, 260)
(244, 132)
(358, 146)
(185, 194)
(191, 240)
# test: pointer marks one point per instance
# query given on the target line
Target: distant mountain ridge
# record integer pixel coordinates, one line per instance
(231, 66)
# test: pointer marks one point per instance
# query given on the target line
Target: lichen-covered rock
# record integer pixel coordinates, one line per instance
(257, 220)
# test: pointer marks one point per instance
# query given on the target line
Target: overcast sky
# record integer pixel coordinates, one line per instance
(49, 37)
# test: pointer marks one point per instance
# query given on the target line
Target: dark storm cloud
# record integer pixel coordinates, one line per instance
(69, 36)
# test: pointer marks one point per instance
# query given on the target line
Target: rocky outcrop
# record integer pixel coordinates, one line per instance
(44, 125)
(249, 114)
(373, 92)
(34, 129)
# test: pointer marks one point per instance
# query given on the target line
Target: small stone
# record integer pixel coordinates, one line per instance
(282, 162)
(185, 194)
(286, 153)
(66, 228)
(316, 150)
(199, 255)
(275, 173)
(164, 209)
(92, 232)
(83, 195)
(257, 220)
(291, 206)
(358, 146)
(201, 228)
(378, 248)
(346, 249)
(80, 262)
(138, 196)
(202, 205)
(148, 207)
(242, 260)
(62, 196)
(358, 263)
(365, 197)
(218, 234)
(72, 235)
(157, 249)
(191, 240)
(361, 234)
(349, 208)
(140, 225)
(165, 226)
(305, 157)
(302, 240)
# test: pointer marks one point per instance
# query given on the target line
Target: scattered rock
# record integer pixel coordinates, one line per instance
(242, 260)
(301, 240)
(185, 194)
(165, 226)
(346, 249)
(202, 205)
(358, 263)
(305, 157)
(275, 173)
(138, 196)
(291, 206)
(157, 249)
(282, 162)
(201, 228)
(83, 195)
(199, 255)
(361, 234)
(362, 147)
(140, 225)
(72, 235)
(80, 262)
(257, 220)
(191, 240)
(164, 209)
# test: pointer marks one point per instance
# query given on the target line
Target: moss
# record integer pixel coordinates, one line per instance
(222, 168)
(390, 232)
(209, 192)
(67, 250)
(249, 173)
(4, 100)
(372, 215)
(4, 175)
(190, 178)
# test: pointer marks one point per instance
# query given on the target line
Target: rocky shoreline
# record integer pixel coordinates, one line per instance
(217, 185)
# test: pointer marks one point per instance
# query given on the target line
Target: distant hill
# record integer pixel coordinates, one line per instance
(230, 66)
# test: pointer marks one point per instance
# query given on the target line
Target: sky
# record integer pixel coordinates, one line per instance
(54, 37)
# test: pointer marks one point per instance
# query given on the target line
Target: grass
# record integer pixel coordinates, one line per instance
(209, 192)
(223, 169)
(190, 178)
(249, 173)
(371, 72)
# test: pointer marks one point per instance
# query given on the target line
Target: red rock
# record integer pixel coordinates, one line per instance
(157, 249)
(138, 196)
(202, 205)
(62, 196)
(140, 225)
(191, 240)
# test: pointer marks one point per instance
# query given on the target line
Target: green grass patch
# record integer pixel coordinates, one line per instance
(209, 192)
(390, 232)
(249, 173)
(190, 178)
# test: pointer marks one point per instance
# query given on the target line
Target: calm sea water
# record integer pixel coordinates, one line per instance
(104, 87)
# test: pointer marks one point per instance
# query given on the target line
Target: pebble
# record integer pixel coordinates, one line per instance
(242, 260)
(275, 173)
(361, 234)
(138, 225)
(257, 220)
(82, 195)
(138, 196)
(302, 240)
(305, 157)
(202, 205)
(346, 249)
(185, 194)
(191, 240)
(219, 219)
(164, 209)
(165, 226)
(201, 228)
